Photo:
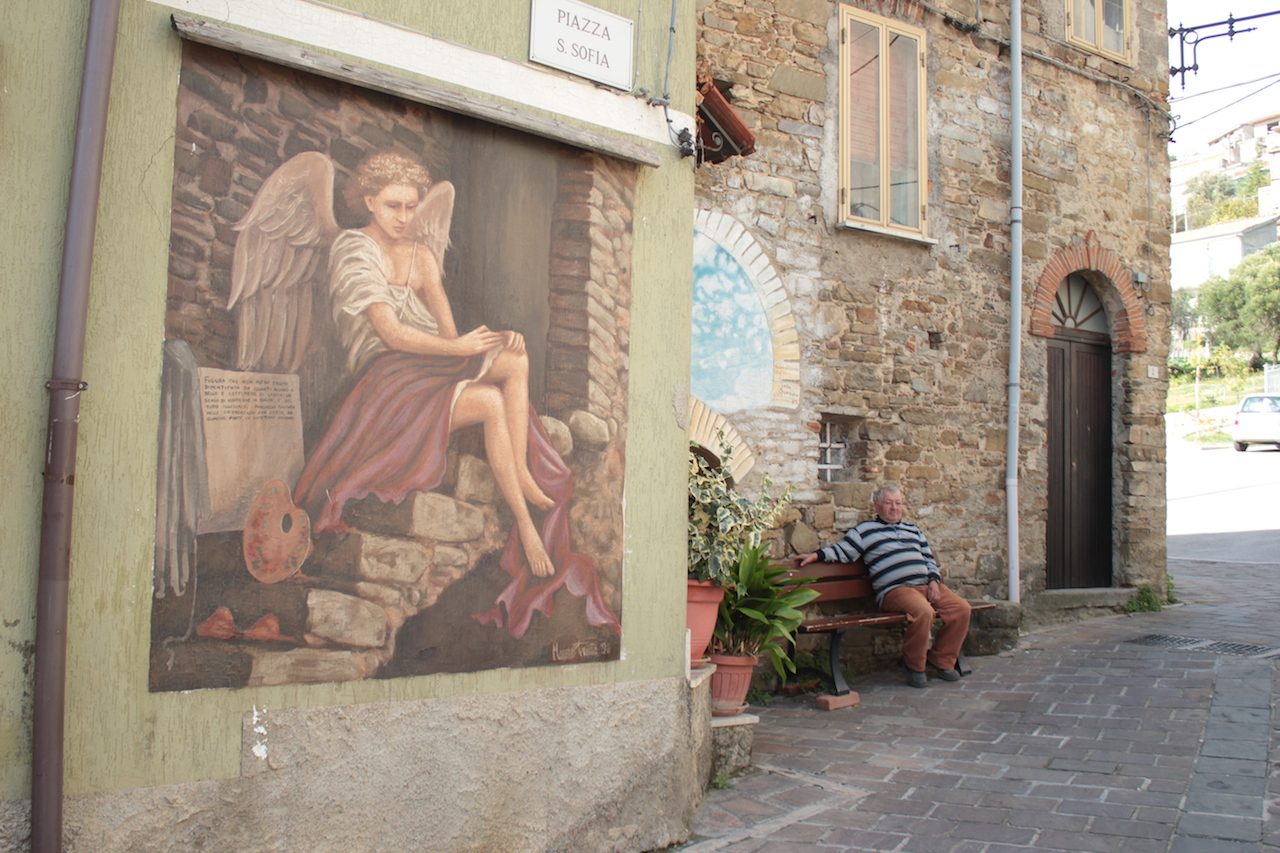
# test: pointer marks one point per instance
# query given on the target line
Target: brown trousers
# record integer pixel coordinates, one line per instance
(950, 608)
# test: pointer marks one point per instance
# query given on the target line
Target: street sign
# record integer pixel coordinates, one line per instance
(582, 40)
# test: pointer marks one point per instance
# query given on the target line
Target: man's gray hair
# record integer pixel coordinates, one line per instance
(885, 489)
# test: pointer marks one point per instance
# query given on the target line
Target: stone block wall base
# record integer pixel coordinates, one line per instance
(832, 702)
(731, 739)
(1066, 605)
(485, 771)
(994, 631)
(991, 641)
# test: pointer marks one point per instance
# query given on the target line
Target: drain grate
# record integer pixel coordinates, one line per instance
(1244, 650)
(1217, 647)
(1168, 641)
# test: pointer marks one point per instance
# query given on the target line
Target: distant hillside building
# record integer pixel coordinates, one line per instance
(1196, 256)
(1232, 153)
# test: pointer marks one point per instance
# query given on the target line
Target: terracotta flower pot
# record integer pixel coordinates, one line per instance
(730, 683)
(702, 605)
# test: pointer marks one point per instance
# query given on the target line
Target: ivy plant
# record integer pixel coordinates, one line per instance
(723, 521)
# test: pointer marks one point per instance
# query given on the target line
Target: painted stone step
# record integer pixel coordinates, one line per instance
(421, 515)
(373, 557)
(346, 620)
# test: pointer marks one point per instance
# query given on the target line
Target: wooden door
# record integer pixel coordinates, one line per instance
(1079, 534)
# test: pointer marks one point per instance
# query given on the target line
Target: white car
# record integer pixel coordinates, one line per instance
(1257, 421)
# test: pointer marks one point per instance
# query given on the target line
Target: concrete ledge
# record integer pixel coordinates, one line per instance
(700, 676)
(736, 720)
(731, 739)
(1062, 605)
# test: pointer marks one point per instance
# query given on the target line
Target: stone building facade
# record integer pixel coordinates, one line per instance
(904, 338)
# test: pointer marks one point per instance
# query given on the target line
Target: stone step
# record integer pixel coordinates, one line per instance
(421, 515)
(347, 620)
(370, 557)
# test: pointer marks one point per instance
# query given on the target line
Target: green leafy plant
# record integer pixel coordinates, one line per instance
(721, 781)
(1169, 595)
(723, 521)
(1145, 600)
(761, 610)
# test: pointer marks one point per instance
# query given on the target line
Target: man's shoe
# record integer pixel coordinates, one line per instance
(914, 679)
(946, 674)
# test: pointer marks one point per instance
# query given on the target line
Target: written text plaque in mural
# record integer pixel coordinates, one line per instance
(252, 434)
(582, 40)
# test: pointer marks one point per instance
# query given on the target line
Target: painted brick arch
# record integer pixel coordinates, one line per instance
(1128, 326)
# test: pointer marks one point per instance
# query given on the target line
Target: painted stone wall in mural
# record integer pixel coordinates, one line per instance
(393, 410)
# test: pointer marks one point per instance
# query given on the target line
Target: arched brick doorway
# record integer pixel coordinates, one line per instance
(1078, 538)
(1083, 337)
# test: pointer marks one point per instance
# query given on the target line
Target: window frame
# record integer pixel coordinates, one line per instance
(1099, 23)
(886, 27)
(833, 449)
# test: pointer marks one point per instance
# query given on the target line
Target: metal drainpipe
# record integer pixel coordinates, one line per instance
(64, 414)
(1015, 292)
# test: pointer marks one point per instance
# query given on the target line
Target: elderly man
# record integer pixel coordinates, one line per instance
(905, 579)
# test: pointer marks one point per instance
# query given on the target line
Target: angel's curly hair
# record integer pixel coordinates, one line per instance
(382, 169)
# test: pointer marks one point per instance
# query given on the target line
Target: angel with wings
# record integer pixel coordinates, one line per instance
(417, 379)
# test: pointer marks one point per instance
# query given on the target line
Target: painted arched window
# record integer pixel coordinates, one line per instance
(732, 349)
(1076, 306)
(745, 351)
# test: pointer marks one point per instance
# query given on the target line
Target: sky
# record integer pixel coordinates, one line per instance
(732, 344)
(1223, 62)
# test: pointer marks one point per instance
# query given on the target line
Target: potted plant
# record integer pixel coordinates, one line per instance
(721, 523)
(758, 615)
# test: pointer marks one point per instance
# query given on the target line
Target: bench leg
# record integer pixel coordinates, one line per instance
(962, 666)
(837, 672)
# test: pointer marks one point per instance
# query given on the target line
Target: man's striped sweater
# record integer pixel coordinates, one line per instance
(895, 554)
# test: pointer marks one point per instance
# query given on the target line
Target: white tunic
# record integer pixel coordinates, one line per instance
(357, 279)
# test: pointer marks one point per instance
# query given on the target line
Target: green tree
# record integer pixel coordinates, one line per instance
(1259, 276)
(1204, 193)
(1249, 183)
(1233, 209)
(1183, 315)
(1221, 304)
(1217, 197)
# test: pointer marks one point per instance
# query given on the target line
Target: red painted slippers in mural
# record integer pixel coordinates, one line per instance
(219, 626)
(267, 630)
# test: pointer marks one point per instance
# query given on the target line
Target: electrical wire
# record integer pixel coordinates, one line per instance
(682, 139)
(1232, 104)
(1181, 98)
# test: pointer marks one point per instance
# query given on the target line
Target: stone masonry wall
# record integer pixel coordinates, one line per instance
(591, 290)
(907, 341)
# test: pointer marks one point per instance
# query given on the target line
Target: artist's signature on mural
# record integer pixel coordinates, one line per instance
(581, 650)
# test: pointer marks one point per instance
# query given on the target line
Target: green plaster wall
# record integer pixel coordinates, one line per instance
(118, 734)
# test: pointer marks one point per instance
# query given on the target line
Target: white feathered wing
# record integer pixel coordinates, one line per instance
(434, 216)
(283, 240)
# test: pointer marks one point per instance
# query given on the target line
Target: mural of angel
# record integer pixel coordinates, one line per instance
(417, 379)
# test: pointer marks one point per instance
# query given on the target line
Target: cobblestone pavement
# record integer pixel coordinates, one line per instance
(1150, 732)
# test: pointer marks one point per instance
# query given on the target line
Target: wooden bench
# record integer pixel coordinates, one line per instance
(848, 586)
